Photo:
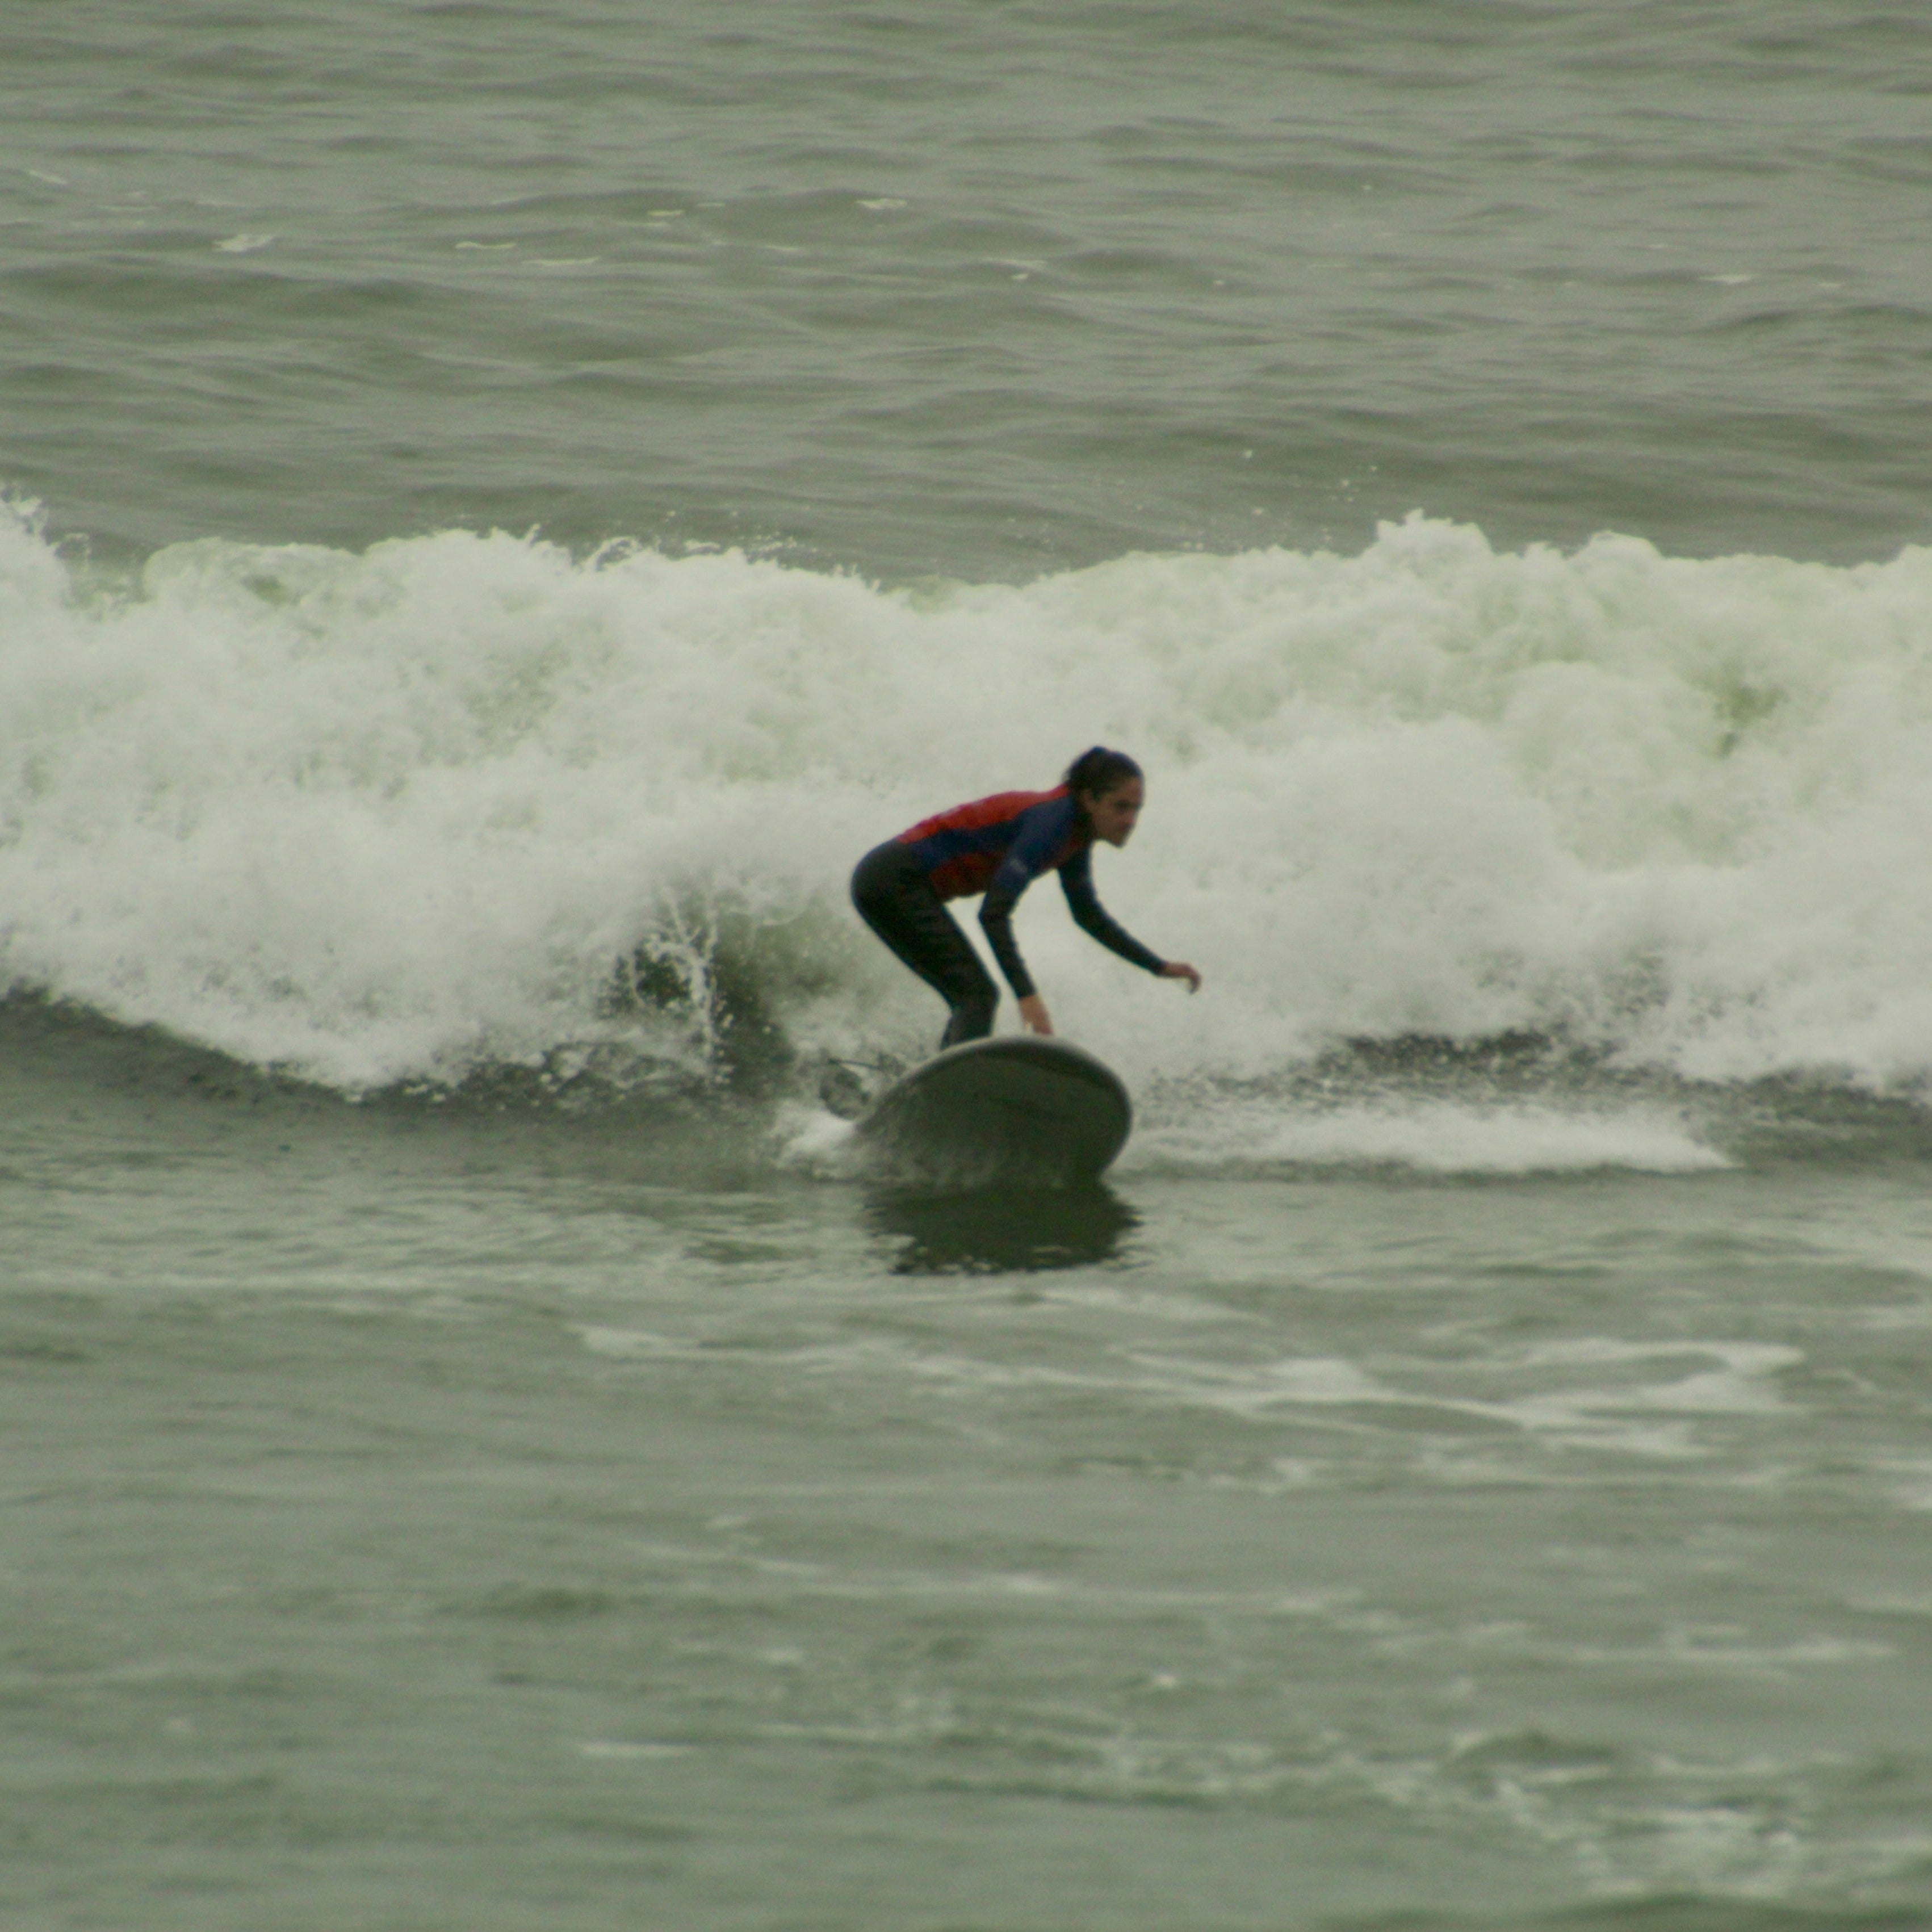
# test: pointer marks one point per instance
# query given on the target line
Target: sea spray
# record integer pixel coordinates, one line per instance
(392, 816)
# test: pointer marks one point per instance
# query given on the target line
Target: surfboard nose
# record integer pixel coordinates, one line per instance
(1042, 1112)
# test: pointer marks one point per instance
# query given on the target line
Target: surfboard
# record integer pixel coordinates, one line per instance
(1019, 1107)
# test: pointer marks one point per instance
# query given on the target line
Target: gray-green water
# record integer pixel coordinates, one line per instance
(476, 1457)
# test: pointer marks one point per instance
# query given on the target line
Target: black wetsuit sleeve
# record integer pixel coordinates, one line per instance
(1076, 881)
(1043, 830)
(996, 917)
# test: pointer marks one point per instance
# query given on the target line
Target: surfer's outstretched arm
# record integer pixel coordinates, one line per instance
(1076, 880)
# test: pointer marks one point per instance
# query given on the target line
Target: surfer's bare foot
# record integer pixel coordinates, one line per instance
(1034, 1016)
(1179, 969)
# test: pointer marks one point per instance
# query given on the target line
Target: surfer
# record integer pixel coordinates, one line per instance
(998, 846)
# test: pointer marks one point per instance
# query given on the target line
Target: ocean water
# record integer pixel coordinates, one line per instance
(503, 505)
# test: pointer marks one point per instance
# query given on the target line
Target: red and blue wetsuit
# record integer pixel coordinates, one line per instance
(997, 846)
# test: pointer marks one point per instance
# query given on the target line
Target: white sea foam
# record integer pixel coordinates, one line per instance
(380, 817)
(1613, 1414)
(1432, 1136)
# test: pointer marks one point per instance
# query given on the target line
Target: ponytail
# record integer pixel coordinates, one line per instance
(1098, 771)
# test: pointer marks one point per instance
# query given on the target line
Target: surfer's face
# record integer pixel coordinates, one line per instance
(1115, 813)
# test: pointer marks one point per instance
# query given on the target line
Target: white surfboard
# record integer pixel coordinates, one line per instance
(1018, 1109)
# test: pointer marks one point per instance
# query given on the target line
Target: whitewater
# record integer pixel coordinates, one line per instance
(394, 817)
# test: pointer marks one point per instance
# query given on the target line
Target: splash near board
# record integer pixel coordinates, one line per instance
(1018, 1109)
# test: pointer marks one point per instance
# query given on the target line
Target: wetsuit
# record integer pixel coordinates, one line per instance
(997, 846)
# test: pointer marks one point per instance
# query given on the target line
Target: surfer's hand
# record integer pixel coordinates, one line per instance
(1179, 969)
(1034, 1015)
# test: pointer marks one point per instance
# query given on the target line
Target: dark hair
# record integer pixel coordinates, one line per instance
(1098, 771)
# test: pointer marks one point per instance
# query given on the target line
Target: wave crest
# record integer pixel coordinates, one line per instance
(382, 817)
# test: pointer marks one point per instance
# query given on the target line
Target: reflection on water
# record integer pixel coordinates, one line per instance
(988, 1231)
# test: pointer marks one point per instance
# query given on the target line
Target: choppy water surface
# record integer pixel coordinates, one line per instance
(1507, 1496)
(506, 506)
(975, 293)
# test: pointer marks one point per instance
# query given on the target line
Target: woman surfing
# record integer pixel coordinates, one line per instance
(998, 846)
